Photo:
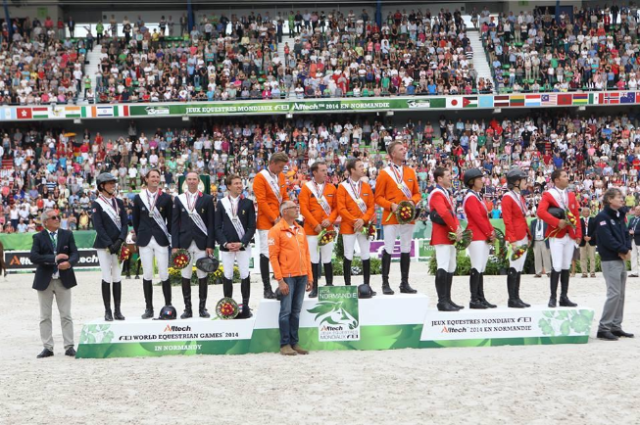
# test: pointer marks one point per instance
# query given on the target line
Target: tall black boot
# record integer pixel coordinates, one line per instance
(245, 289)
(106, 299)
(564, 289)
(264, 273)
(227, 287)
(147, 288)
(553, 286)
(512, 288)
(405, 263)
(474, 285)
(138, 267)
(366, 274)
(126, 268)
(203, 289)
(518, 292)
(449, 285)
(166, 291)
(441, 289)
(328, 274)
(315, 271)
(117, 297)
(186, 294)
(346, 271)
(481, 293)
(386, 267)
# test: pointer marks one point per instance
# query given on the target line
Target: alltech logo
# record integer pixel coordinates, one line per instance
(174, 328)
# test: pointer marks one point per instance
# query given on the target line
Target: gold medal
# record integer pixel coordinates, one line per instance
(400, 186)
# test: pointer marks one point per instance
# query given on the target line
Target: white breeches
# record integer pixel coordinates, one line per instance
(110, 266)
(325, 251)
(263, 237)
(392, 231)
(446, 257)
(154, 251)
(195, 254)
(519, 263)
(242, 257)
(561, 250)
(479, 255)
(349, 243)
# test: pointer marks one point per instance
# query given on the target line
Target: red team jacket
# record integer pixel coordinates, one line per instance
(477, 217)
(552, 230)
(515, 222)
(440, 233)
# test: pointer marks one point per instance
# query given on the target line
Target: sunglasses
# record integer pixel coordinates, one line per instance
(54, 217)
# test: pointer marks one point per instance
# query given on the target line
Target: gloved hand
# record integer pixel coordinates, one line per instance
(115, 248)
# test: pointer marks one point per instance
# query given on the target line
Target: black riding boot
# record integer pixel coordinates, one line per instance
(405, 264)
(203, 289)
(441, 289)
(227, 287)
(245, 289)
(147, 288)
(186, 294)
(553, 286)
(328, 274)
(264, 272)
(106, 299)
(474, 288)
(449, 285)
(564, 289)
(346, 272)
(315, 271)
(481, 293)
(386, 267)
(366, 274)
(166, 291)
(512, 288)
(117, 297)
(518, 292)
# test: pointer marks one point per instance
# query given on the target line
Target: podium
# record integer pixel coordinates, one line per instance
(380, 323)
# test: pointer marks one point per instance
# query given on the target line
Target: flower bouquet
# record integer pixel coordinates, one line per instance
(180, 259)
(571, 219)
(464, 242)
(227, 308)
(405, 212)
(125, 253)
(518, 252)
(369, 231)
(499, 246)
(326, 237)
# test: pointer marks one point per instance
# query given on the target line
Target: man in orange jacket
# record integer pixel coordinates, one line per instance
(356, 208)
(444, 221)
(270, 190)
(289, 256)
(553, 208)
(318, 207)
(396, 183)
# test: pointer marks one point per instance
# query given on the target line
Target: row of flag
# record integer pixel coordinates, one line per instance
(63, 112)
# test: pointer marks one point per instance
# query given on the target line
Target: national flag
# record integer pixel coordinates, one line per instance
(565, 99)
(102, 111)
(532, 100)
(549, 99)
(57, 112)
(123, 110)
(485, 102)
(594, 98)
(470, 102)
(501, 101)
(72, 112)
(581, 98)
(454, 102)
(517, 100)
(6, 114)
(40, 112)
(628, 97)
(438, 102)
(24, 113)
(610, 98)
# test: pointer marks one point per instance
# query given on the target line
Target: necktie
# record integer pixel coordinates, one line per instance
(54, 240)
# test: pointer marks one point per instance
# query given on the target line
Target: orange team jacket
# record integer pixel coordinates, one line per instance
(477, 217)
(440, 233)
(349, 210)
(387, 192)
(311, 210)
(515, 222)
(548, 201)
(289, 251)
(268, 204)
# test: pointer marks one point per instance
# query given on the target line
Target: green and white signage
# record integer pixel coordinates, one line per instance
(337, 313)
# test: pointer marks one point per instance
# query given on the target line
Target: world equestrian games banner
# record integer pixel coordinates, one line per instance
(312, 106)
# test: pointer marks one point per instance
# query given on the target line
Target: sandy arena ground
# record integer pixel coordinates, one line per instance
(596, 383)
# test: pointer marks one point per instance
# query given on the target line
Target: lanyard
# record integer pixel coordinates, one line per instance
(399, 176)
(358, 186)
(155, 199)
(111, 204)
(234, 206)
(191, 206)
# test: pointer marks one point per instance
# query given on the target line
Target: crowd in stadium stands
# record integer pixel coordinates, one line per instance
(597, 49)
(55, 168)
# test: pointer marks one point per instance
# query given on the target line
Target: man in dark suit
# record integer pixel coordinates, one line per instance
(54, 252)
(235, 226)
(588, 243)
(192, 228)
(634, 232)
(541, 255)
(109, 219)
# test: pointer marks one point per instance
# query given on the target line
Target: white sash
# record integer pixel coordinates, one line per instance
(320, 198)
(235, 220)
(470, 194)
(399, 182)
(355, 196)
(557, 195)
(275, 187)
(518, 198)
(156, 214)
(111, 212)
(193, 213)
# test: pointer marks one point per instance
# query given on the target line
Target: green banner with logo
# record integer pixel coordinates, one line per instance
(23, 241)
